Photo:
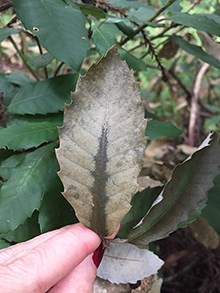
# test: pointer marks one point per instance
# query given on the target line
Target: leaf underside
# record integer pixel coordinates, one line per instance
(125, 263)
(183, 196)
(101, 144)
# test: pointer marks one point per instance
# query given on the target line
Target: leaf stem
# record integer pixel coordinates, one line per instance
(58, 69)
(142, 27)
(22, 57)
(41, 52)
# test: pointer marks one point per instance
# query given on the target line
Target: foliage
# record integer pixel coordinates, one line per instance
(55, 40)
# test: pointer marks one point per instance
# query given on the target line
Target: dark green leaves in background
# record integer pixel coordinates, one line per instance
(60, 28)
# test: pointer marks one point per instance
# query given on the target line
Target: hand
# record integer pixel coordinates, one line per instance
(59, 261)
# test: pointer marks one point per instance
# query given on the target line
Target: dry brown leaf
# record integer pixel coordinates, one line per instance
(101, 144)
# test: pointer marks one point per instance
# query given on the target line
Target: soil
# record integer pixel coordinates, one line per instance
(189, 266)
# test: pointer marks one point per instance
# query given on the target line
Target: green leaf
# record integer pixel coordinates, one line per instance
(42, 97)
(127, 3)
(6, 87)
(104, 36)
(201, 22)
(41, 60)
(59, 27)
(212, 210)
(23, 192)
(4, 243)
(55, 211)
(183, 195)
(196, 51)
(142, 14)
(6, 32)
(132, 61)
(141, 203)
(92, 10)
(18, 78)
(157, 129)
(29, 229)
(8, 165)
(27, 135)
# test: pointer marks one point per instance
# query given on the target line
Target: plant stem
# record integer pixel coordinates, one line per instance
(58, 69)
(142, 27)
(41, 52)
(22, 57)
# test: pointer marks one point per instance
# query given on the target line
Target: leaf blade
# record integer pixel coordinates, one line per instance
(54, 23)
(125, 263)
(103, 172)
(189, 184)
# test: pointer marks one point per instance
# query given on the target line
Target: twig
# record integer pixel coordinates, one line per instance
(41, 52)
(4, 5)
(22, 57)
(142, 27)
(58, 69)
(195, 104)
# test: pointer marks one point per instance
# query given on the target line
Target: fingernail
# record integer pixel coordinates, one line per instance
(98, 254)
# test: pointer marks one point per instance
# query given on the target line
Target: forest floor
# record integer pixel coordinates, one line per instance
(189, 266)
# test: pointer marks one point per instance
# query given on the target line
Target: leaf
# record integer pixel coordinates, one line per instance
(196, 51)
(201, 22)
(104, 36)
(4, 243)
(41, 61)
(92, 10)
(127, 4)
(58, 214)
(27, 135)
(212, 210)
(124, 263)
(18, 78)
(6, 32)
(142, 14)
(42, 97)
(101, 145)
(23, 192)
(157, 129)
(8, 165)
(6, 88)
(132, 61)
(183, 196)
(141, 203)
(29, 229)
(59, 27)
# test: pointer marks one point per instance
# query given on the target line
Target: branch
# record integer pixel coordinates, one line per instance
(142, 27)
(22, 57)
(195, 103)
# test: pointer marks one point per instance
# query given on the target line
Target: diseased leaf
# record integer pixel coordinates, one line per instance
(23, 192)
(183, 196)
(42, 97)
(124, 263)
(27, 135)
(101, 145)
